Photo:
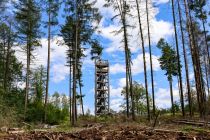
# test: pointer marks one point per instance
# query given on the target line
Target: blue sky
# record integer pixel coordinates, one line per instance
(161, 26)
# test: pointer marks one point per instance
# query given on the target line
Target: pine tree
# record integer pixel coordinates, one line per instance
(198, 6)
(78, 30)
(179, 62)
(185, 57)
(168, 62)
(143, 51)
(27, 15)
(11, 68)
(52, 7)
(150, 53)
(195, 58)
(123, 10)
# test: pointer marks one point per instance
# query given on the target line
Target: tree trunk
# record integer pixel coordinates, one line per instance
(70, 101)
(145, 69)
(206, 73)
(205, 36)
(195, 57)
(178, 56)
(7, 62)
(131, 89)
(48, 65)
(81, 98)
(150, 53)
(27, 79)
(172, 98)
(123, 18)
(185, 59)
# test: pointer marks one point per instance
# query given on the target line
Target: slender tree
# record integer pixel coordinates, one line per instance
(150, 53)
(143, 51)
(27, 15)
(178, 56)
(77, 31)
(52, 7)
(185, 57)
(122, 9)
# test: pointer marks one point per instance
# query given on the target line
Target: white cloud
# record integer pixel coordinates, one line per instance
(163, 98)
(57, 59)
(160, 1)
(117, 68)
(115, 92)
(138, 64)
(115, 104)
(159, 28)
(59, 72)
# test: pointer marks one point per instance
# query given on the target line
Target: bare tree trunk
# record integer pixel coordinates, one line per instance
(206, 73)
(48, 66)
(123, 18)
(178, 56)
(145, 69)
(150, 53)
(172, 98)
(81, 98)
(70, 101)
(131, 89)
(185, 59)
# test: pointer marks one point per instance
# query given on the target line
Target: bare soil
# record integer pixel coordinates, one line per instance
(112, 132)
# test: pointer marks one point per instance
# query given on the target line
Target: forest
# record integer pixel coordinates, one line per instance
(158, 75)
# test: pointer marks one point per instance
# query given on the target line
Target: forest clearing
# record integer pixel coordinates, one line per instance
(104, 69)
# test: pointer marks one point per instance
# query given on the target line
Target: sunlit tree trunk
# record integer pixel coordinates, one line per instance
(172, 98)
(81, 96)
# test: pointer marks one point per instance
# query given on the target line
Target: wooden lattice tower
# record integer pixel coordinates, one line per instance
(101, 87)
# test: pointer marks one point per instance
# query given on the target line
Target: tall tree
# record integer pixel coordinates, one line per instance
(143, 50)
(168, 62)
(27, 15)
(52, 7)
(79, 31)
(179, 62)
(185, 57)
(10, 67)
(198, 6)
(123, 11)
(150, 53)
(195, 59)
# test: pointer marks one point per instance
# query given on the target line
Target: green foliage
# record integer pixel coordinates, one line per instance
(139, 95)
(28, 18)
(51, 7)
(198, 7)
(168, 60)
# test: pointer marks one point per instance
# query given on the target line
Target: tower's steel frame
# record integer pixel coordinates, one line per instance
(102, 91)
